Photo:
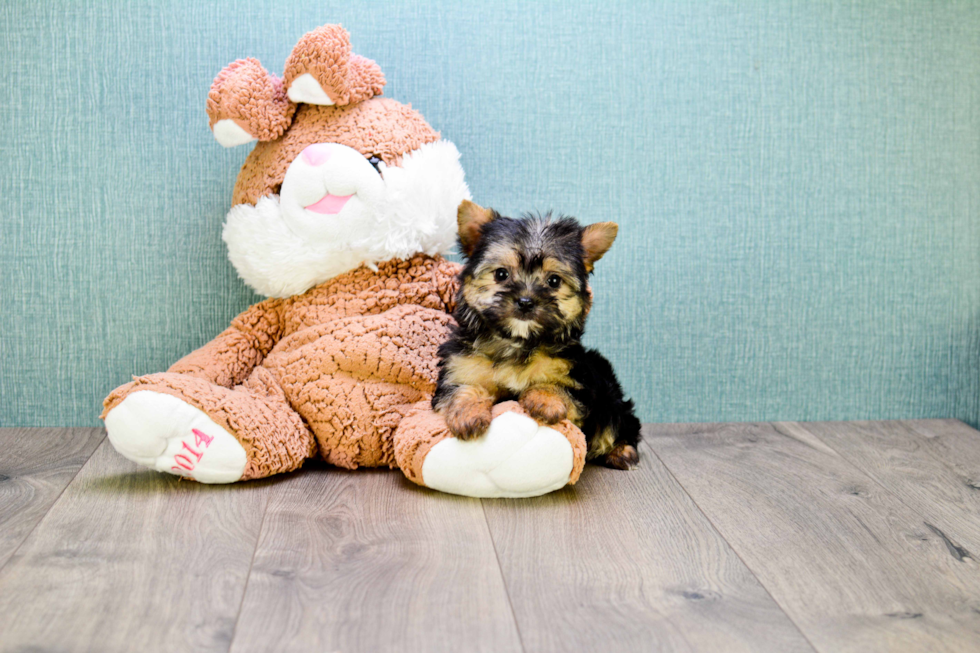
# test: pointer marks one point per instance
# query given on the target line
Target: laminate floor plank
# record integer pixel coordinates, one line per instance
(852, 565)
(36, 464)
(788, 536)
(128, 559)
(366, 561)
(954, 443)
(897, 457)
(625, 561)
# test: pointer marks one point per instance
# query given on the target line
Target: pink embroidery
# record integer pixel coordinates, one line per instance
(200, 436)
(183, 461)
(196, 453)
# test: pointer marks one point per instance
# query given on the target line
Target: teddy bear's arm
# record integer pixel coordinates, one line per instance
(233, 354)
(446, 281)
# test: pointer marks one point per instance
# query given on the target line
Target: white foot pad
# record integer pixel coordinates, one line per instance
(516, 458)
(163, 433)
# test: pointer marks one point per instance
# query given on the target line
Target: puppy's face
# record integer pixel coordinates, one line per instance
(526, 279)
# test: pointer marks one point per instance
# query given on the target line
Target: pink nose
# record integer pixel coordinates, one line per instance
(317, 154)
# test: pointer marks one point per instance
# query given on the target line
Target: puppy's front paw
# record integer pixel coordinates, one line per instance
(544, 404)
(468, 419)
(623, 456)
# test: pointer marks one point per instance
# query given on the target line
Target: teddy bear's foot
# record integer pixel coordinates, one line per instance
(515, 458)
(162, 432)
(246, 103)
(322, 70)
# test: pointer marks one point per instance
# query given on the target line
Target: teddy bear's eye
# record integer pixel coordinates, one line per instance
(554, 281)
(500, 274)
(375, 160)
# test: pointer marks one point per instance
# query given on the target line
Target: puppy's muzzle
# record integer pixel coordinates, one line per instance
(525, 305)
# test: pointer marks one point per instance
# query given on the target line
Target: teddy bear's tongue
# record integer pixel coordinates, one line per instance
(329, 204)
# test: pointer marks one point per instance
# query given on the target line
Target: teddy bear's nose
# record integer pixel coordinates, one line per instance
(317, 154)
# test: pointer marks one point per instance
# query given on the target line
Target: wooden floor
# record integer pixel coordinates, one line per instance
(728, 537)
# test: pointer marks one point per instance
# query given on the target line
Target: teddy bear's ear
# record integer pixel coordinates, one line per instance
(323, 70)
(246, 103)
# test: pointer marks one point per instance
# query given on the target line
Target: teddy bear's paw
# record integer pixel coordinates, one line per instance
(516, 458)
(162, 432)
(322, 70)
(246, 103)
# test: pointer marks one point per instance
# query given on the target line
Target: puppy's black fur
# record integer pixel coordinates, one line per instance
(521, 312)
(606, 407)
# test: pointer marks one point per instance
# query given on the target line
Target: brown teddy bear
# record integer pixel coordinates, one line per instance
(340, 214)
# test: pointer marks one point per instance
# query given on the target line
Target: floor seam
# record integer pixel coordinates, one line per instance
(731, 546)
(78, 471)
(870, 475)
(503, 580)
(251, 564)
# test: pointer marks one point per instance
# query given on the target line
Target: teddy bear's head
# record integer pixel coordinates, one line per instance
(339, 178)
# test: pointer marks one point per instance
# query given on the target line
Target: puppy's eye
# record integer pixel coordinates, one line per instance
(554, 281)
(375, 160)
(500, 274)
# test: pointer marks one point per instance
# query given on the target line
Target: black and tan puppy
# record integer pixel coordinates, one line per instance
(521, 311)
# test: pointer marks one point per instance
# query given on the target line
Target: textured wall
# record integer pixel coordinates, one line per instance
(798, 186)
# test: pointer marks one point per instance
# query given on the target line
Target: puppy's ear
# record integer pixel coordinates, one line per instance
(596, 240)
(471, 218)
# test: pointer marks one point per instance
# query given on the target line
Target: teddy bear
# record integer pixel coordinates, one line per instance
(340, 215)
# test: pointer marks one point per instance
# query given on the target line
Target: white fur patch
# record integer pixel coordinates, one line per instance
(306, 89)
(229, 134)
(522, 328)
(280, 251)
(516, 458)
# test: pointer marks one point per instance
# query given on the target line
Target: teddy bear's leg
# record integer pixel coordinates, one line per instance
(517, 457)
(187, 426)
(322, 70)
(246, 104)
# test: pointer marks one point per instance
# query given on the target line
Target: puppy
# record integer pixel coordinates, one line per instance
(521, 311)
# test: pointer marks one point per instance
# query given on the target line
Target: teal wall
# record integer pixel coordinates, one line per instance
(797, 183)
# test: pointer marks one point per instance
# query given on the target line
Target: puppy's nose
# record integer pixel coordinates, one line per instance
(525, 304)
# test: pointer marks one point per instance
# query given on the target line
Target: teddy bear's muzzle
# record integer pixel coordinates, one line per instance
(330, 191)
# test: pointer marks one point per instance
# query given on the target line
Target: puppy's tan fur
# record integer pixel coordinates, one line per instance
(467, 412)
(539, 383)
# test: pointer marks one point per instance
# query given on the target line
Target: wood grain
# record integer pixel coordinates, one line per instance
(131, 559)
(35, 467)
(952, 442)
(865, 534)
(898, 458)
(624, 561)
(366, 561)
(854, 567)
